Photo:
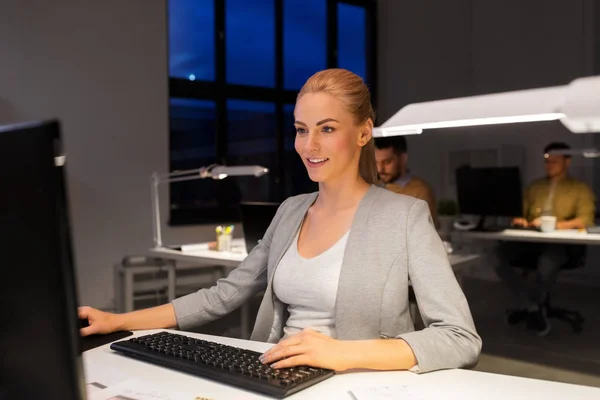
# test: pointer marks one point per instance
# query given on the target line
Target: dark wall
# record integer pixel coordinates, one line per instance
(433, 49)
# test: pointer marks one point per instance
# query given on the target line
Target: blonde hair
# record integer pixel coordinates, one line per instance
(352, 91)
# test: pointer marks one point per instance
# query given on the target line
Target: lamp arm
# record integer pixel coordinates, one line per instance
(156, 229)
(214, 171)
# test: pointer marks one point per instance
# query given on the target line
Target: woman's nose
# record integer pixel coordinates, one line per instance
(312, 142)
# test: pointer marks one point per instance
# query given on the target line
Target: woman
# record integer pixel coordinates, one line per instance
(335, 265)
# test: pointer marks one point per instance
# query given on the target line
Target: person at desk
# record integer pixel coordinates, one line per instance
(572, 202)
(335, 265)
(391, 156)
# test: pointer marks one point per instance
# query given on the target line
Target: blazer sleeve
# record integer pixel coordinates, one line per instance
(450, 339)
(248, 279)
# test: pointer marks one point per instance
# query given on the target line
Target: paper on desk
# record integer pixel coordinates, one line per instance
(190, 248)
(384, 392)
(138, 389)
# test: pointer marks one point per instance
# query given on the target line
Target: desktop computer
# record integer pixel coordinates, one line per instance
(39, 339)
(489, 192)
(40, 342)
(256, 218)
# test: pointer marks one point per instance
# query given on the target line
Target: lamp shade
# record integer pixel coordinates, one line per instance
(576, 105)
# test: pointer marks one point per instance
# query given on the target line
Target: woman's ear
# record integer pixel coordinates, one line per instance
(366, 132)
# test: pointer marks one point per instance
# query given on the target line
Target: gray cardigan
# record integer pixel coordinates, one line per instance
(392, 240)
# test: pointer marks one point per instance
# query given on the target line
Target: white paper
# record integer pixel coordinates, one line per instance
(384, 392)
(190, 248)
(138, 389)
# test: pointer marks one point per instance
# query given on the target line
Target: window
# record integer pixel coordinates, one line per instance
(235, 69)
(192, 39)
(250, 49)
(252, 141)
(352, 32)
(304, 40)
(193, 128)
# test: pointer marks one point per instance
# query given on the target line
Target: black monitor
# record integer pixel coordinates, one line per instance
(493, 192)
(256, 218)
(39, 338)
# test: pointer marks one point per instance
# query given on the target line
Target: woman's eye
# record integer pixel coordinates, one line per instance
(300, 131)
(328, 129)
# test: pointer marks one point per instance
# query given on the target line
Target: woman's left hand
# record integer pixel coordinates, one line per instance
(308, 348)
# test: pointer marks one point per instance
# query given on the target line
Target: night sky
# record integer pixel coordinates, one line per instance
(250, 40)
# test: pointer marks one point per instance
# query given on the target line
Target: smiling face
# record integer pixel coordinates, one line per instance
(327, 137)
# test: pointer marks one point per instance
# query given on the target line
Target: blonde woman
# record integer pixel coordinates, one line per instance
(335, 265)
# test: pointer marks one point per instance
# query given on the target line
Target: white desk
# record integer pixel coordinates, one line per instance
(204, 256)
(561, 236)
(106, 367)
(231, 259)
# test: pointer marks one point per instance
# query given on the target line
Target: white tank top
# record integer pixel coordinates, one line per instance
(309, 287)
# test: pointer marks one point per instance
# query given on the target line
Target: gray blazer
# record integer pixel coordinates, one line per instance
(392, 241)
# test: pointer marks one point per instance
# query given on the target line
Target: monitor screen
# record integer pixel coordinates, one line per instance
(256, 218)
(493, 191)
(39, 339)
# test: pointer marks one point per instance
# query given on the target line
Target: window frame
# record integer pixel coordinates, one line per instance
(220, 91)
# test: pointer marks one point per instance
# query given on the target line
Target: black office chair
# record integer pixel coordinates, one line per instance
(576, 258)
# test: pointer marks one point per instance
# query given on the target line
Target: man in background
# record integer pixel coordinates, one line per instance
(391, 155)
(572, 202)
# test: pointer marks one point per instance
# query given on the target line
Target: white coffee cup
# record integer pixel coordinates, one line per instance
(547, 223)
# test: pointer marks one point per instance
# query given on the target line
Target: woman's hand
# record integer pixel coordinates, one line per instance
(100, 322)
(308, 348)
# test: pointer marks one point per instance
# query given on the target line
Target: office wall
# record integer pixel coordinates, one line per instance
(101, 68)
(433, 49)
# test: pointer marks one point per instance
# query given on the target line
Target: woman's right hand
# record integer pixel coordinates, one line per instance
(100, 322)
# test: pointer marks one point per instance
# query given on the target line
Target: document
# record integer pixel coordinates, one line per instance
(138, 389)
(384, 392)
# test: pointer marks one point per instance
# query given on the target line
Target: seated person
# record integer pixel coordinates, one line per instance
(391, 155)
(572, 202)
(335, 265)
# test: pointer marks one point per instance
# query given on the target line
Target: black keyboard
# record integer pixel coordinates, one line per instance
(222, 363)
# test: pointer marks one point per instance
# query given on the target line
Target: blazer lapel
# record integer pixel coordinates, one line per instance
(360, 287)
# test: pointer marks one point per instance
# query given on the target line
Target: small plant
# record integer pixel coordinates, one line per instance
(447, 208)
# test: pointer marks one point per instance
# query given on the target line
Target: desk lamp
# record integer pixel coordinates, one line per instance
(213, 171)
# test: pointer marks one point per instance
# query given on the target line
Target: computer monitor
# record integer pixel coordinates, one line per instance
(256, 218)
(493, 192)
(39, 338)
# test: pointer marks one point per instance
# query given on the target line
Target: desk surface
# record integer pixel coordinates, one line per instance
(108, 368)
(202, 254)
(562, 236)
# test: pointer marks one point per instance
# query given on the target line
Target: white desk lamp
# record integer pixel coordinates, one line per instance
(576, 105)
(212, 171)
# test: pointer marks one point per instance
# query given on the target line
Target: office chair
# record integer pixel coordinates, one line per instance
(576, 258)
